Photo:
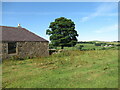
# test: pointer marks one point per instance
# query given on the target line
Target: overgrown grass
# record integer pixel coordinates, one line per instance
(69, 69)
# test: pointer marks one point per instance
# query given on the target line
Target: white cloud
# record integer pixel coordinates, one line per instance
(85, 19)
(102, 10)
(107, 29)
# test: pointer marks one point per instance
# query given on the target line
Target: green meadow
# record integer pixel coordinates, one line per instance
(67, 69)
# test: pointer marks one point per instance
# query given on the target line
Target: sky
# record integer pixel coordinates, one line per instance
(93, 20)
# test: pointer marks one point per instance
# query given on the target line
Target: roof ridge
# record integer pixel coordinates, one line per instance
(9, 27)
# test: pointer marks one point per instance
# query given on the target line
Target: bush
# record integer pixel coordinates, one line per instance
(99, 44)
(80, 47)
(93, 49)
(103, 48)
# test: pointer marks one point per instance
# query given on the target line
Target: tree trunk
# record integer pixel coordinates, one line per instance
(62, 47)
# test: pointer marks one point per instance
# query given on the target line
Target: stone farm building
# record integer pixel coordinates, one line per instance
(21, 43)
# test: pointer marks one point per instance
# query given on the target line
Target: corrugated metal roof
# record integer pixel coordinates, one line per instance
(18, 34)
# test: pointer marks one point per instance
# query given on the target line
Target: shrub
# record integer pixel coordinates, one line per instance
(80, 47)
(103, 48)
(99, 44)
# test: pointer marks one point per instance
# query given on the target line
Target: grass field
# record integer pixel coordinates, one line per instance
(69, 69)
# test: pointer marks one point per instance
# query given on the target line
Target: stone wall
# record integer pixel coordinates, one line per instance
(0, 50)
(26, 49)
(4, 50)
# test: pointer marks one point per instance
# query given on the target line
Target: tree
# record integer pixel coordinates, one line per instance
(62, 32)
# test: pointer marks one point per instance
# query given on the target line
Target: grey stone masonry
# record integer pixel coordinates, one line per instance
(26, 49)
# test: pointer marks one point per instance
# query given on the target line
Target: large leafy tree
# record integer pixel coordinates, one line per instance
(62, 32)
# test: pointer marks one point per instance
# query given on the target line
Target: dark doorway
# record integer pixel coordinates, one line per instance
(11, 47)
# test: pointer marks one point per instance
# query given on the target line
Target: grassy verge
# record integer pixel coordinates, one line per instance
(69, 69)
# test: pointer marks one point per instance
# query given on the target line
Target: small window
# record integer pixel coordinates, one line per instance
(11, 47)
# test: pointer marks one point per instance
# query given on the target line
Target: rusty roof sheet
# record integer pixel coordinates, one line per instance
(18, 34)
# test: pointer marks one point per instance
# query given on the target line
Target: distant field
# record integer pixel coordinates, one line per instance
(69, 69)
(90, 46)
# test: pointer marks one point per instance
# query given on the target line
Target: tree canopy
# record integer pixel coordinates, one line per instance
(62, 32)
